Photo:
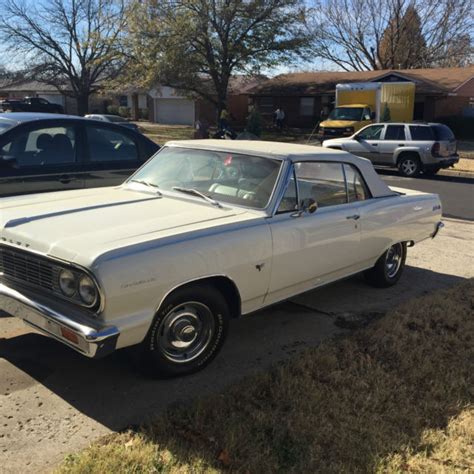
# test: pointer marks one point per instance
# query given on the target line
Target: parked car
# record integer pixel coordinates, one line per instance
(206, 231)
(114, 119)
(31, 104)
(43, 152)
(413, 148)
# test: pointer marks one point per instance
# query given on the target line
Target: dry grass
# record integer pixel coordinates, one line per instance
(394, 396)
(163, 133)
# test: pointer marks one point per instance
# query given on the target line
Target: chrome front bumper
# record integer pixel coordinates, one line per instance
(89, 338)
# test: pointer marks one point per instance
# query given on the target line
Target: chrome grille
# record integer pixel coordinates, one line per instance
(28, 268)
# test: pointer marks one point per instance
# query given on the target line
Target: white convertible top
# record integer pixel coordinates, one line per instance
(293, 152)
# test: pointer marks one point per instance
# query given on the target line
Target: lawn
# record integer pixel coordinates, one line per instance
(395, 395)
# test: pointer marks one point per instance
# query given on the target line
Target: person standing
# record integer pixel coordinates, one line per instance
(279, 118)
(224, 119)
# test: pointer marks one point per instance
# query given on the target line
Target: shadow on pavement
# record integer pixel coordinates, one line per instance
(112, 392)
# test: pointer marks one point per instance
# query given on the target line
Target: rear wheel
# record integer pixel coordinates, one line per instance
(409, 165)
(187, 332)
(389, 267)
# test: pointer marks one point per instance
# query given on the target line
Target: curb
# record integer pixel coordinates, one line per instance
(457, 174)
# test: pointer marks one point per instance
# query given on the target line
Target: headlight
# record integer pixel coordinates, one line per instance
(68, 283)
(87, 290)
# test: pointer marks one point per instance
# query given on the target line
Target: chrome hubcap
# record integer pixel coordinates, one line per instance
(393, 260)
(409, 167)
(186, 331)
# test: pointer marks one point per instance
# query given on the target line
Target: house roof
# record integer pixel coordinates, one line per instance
(26, 86)
(244, 84)
(428, 81)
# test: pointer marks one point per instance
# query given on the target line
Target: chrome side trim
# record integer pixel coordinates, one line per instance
(194, 280)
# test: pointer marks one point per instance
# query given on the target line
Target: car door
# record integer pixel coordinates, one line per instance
(393, 138)
(310, 249)
(113, 154)
(39, 157)
(367, 141)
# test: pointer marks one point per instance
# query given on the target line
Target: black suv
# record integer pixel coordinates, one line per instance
(46, 152)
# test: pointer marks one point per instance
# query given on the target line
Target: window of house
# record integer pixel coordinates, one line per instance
(266, 105)
(395, 132)
(123, 101)
(307, 106)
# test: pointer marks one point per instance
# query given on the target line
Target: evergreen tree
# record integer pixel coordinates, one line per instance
(402, 45)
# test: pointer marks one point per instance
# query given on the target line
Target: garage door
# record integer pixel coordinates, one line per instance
(53, 98)
(174, 111)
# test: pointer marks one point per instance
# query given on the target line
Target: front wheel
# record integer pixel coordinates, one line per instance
(187, 332)
(409, 166)
(389, 267)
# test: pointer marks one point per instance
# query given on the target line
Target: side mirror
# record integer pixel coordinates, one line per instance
(309, 205)
(357, 138)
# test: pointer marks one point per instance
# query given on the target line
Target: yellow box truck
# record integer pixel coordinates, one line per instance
(361, 103)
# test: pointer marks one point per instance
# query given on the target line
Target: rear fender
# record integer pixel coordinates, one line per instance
(399, 152)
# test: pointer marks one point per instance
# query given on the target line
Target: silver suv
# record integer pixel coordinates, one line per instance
(413, 148)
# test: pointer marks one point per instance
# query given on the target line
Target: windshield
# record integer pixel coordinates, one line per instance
(346, 113)
(4, 126)
(225, 177)
(116, 118)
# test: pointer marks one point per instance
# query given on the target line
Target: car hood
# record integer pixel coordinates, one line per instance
(338, 123)
(80, 226)
(336, 141)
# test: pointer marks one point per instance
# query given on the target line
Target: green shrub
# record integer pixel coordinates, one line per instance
(254, 122)
(386, 116)
(124, 111)
(112, 110)
(143, 114)
(462, 127)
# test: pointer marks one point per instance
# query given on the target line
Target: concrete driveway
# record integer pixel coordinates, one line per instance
(53, 401)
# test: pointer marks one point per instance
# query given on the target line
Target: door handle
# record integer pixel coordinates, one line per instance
(375, 144)
(65, 179)
(401, 144)
(354, 216)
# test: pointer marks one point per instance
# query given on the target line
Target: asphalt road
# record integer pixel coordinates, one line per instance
(456, 193)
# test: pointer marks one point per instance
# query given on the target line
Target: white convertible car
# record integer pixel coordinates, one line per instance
(205, 231)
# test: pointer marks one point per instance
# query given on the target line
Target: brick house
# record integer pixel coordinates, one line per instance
(307, 96)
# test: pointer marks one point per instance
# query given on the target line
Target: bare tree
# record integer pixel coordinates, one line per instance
(70, 44)
(196, 45)
(351, 33)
